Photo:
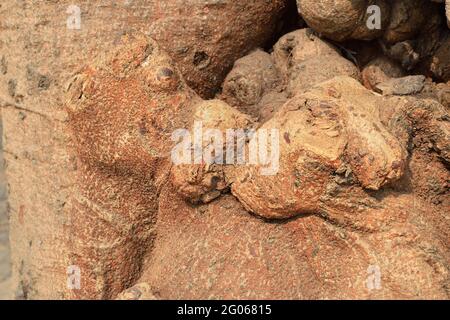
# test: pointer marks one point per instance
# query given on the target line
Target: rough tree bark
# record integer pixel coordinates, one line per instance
(89, 172)
(39, 53)
(41, 46)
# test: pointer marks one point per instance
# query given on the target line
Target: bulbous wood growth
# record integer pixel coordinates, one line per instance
(188, 161)
(344, 156)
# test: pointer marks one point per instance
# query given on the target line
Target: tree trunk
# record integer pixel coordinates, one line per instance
(41, 46)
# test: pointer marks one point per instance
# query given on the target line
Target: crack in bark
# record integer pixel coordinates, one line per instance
(6, 104)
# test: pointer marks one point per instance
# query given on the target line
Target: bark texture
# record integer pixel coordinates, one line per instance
(89, 115)
(342, 184)
(41, 48)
